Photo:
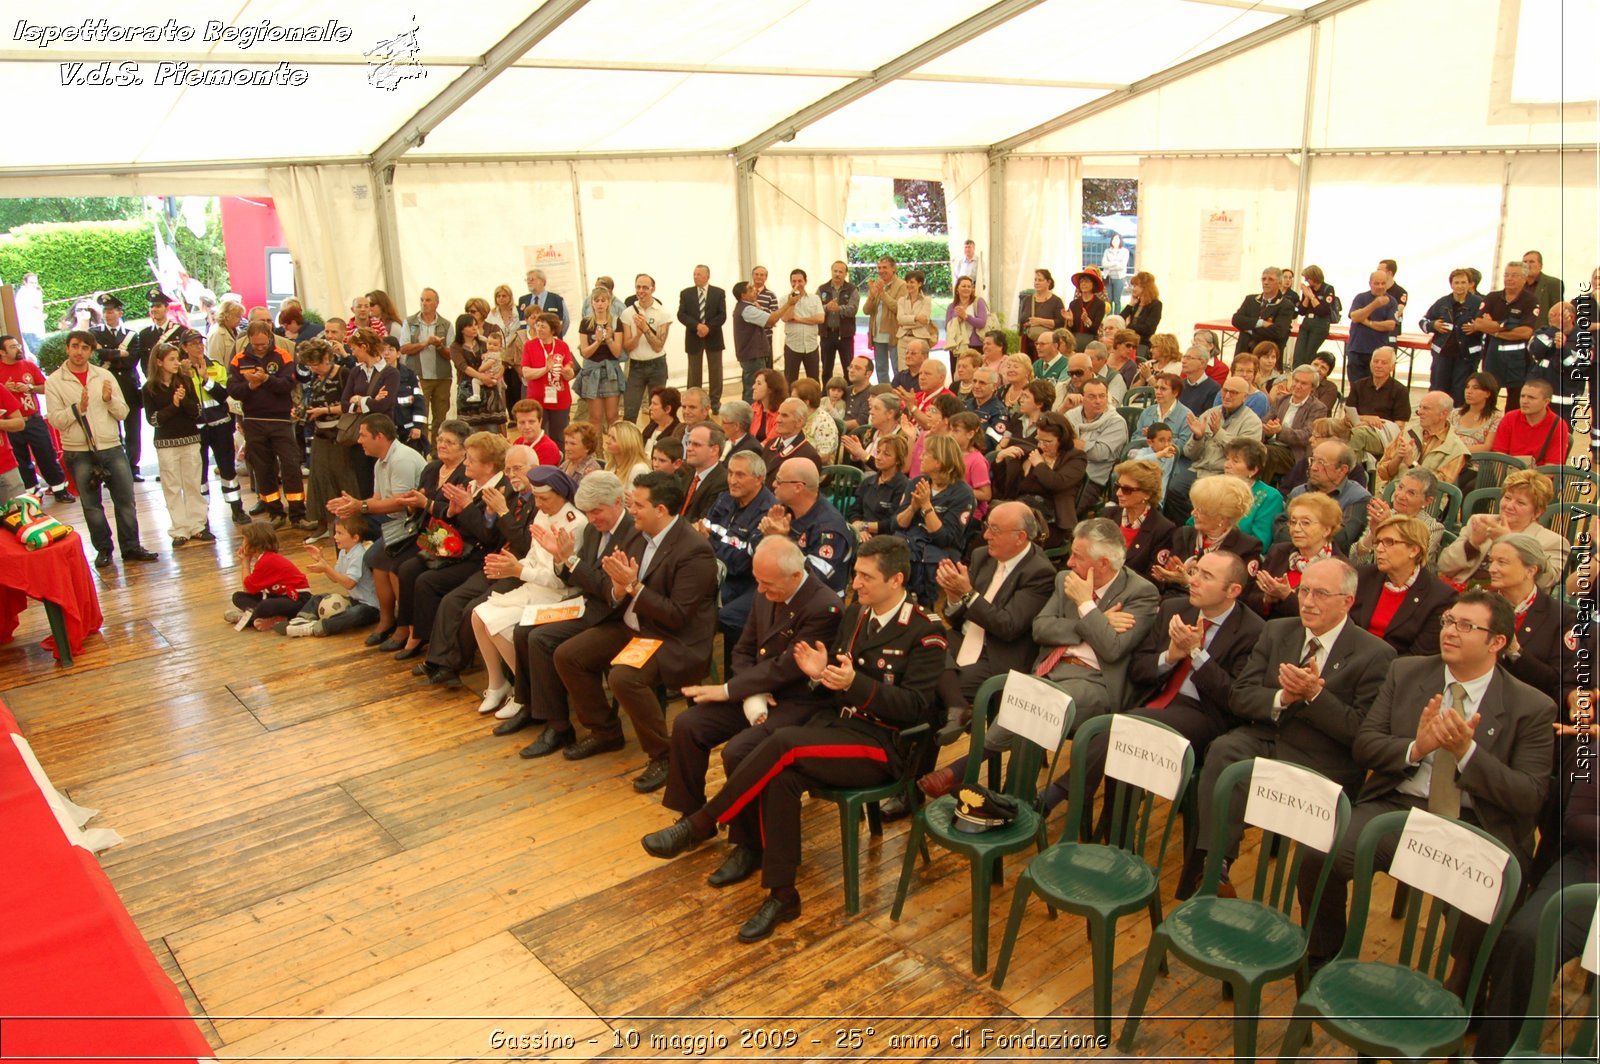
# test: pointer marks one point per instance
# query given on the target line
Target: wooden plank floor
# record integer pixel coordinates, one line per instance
(334, 862)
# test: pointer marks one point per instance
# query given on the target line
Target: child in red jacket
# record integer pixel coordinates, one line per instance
(274, 587)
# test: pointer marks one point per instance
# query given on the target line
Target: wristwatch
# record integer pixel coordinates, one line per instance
(634, 589)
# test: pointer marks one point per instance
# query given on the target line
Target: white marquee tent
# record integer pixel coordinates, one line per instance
(654, 136)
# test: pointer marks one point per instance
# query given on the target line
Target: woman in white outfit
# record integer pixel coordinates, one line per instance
(494, 619)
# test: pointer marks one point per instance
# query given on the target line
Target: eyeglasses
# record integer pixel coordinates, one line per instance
(1321, 594)
(1128, 489)
(991, 530)
(1464, 627)
(1387, 541)
(1301, 522)
(1077, 372)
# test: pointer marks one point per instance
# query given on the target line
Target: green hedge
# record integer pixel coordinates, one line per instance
(932, 254)
(53, 351)
(76, 258)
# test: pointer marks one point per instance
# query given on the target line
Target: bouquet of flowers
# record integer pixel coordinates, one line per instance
(440, 541)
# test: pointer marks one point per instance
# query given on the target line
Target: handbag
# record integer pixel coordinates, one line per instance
(1034, 331)
(397, 532)
(348, 434)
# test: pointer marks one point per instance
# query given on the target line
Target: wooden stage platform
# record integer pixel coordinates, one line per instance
(335, 862)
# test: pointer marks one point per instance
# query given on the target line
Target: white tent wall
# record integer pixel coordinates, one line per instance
(1176, 196)
(1042, 228)
(799, 205)
(966, 205)
(330, 220)
(1551, 202)
(465, 228)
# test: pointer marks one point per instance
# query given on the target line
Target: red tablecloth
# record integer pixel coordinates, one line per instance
(59, 573)
(69, 953)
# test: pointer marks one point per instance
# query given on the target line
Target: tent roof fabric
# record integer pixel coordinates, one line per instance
(597, 77)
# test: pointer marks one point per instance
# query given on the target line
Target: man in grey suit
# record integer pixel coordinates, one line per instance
(1097, 616)
(1304, 691)
(1287, 426)
(1452, 734)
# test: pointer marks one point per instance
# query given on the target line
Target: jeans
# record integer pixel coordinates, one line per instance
(119, 478)
(883, 356)
(1114, 288)
(644, 376)
(747, 378)
(34, 451)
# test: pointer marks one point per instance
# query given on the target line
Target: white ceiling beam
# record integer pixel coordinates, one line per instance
(1250, 41)
(513, 46)
(1246, 5)
(954, 37)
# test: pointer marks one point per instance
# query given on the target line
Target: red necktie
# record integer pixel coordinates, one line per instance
(694, 482)
(1052, 659)
(1179, 674)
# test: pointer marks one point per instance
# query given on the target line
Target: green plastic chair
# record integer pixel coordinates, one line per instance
(1402, 1010)
(1580, 896)
(1446, 504)
(983, 852)
(839, 484)
(1479, 501)
(1100, 883)
(1245, 941)
(1572, 484)
(1140, 397)
(1494, 466)
(1130, 414)
(1573, 520)
(852, 801)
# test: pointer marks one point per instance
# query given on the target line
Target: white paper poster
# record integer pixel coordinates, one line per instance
(1221, 244)
(1146, 755)
(560, 265)
(1446, 860)
(1293, 801)
(1033, 709)
(1591, 949)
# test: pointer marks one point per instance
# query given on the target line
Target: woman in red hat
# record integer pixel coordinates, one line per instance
(1089, 307)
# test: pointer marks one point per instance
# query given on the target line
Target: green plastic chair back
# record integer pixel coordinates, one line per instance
(1130, 414)
(1446, 504)
(1572, 484)
(852, 801)
(1479, 501)
(1398, 1009)
(1572, 520)
(984, 852)
(839, 484)
(1581, 897)
(1250, 940)
(1101, 883)
(1494, 466)
(1140, 397)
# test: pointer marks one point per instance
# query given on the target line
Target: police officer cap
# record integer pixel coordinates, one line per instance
(156, 295)
(549, 478)
(109, 301)
(979, 809)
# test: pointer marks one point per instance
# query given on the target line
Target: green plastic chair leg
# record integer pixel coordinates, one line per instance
(1155, 956)
(1019, 902)
(1246, 1021)
(1103, 943)
(913, 842)
(850, 833)
(982, 881)
(1297, 1037)
(875, 819)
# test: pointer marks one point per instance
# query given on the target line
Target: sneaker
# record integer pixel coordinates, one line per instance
(297, 628)
(232, 614)
(63, 495)
(205, 535)
(178, 541)
(320, 537)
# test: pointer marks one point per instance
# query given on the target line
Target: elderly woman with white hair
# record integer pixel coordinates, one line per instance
(1414, 491)
(494, 619)
(1547, 629)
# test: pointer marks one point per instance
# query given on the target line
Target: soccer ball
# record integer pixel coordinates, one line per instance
(332, 606)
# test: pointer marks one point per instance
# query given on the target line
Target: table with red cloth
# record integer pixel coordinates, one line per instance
(1338, 334)
(77, 981)
(58, 576)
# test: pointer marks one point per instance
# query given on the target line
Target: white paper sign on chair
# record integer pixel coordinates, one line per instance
(1289, 800)
(1145, 755)
(1033, 709)
(1591, 949)
(1444, 859)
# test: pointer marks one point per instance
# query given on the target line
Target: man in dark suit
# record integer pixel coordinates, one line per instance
(790, 442)
(707, 477)
(539, 298)
(765, 691)
(1287, 426)
(1267, 315)
(880, 672)
(664, 582)
(1185, 668)
(736, 416)
(1307, 685)
(538, 689)
(702, 310)
(1452, 734)
(733, 528)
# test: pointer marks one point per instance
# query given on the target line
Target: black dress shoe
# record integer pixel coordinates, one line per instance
(591, 745)
(773, 911)
(653, 778)
(739, 865)
(103, 560)
(671, 841)
(137, 479)
(422, 668)
(376, 639)
(407, 653)
(549, 741)
(139, 554)
(439, 676)
(514, 724)
(391, 644)
(891, 809)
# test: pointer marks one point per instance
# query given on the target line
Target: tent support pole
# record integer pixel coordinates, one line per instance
(577, 229)
(746, 213)
(1500, 226)
(1302, 193)
(388, 232)
(997, 229)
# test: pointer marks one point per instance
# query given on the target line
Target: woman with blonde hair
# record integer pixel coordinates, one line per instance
(934, 519)
(219, 347)
(1397, 599)
(1313, 520)
(1016, 370)
(600, 380)
(1219, 505)
(625, 454)
(1523, 498)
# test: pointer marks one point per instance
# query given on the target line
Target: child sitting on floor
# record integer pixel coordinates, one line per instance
(355, 604)
(273, 587)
